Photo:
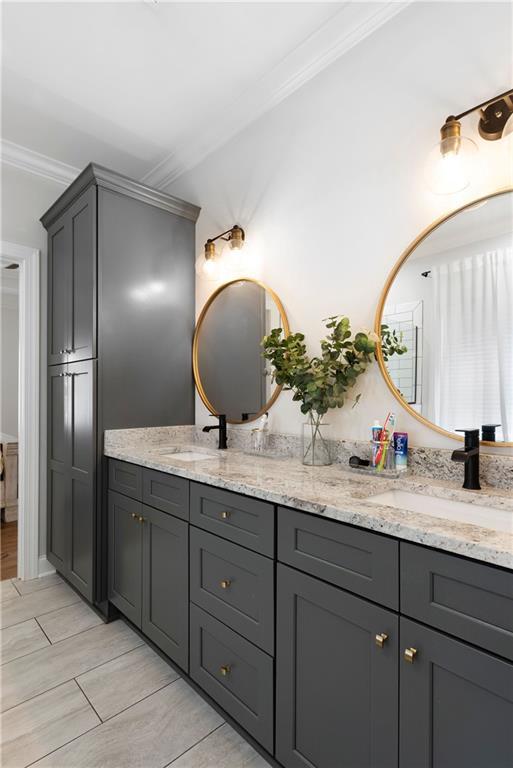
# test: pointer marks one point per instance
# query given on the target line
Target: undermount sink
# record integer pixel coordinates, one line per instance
(447, 509)
(188, 456)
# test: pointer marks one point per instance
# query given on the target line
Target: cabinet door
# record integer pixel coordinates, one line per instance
(59, 290)
(82, 224)
(165, 613)
(57, 549)
(82, 453)
(72, 282)
(456, 704)
(125, 555)
(336, 689)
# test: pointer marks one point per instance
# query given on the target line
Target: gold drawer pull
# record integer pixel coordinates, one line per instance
(381, 639)
(225, 670)
(225, 583)
(409, 655)
(225, 515)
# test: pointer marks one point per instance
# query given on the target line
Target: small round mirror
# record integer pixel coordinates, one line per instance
(449, 300)
(230, 373)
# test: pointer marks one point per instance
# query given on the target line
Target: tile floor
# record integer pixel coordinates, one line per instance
(78, 693)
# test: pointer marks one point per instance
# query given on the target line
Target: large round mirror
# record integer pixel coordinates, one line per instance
(449, 300)
(230, 373)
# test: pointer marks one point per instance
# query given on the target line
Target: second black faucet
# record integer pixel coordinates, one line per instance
(222, 431)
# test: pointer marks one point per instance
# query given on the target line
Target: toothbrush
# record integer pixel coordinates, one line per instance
(382, 450)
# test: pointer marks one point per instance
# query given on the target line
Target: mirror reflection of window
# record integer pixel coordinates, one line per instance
(454, 295)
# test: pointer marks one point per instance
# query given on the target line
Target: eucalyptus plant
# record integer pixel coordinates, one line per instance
(322, 382)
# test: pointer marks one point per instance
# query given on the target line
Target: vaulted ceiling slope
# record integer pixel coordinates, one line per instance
(150, 89)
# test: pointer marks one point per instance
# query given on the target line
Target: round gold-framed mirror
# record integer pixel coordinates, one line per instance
(449, 301)
(230, 373)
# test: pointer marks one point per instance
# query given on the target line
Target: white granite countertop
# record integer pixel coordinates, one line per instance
(332, 492)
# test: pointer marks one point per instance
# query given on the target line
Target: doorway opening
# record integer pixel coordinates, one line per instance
(19, 411)
(9, 374)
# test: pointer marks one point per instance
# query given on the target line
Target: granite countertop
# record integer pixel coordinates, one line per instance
(332, 492)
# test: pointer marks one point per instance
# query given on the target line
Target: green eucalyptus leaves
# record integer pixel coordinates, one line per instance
(321, 383)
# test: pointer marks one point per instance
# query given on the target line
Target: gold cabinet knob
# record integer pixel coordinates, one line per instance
(225, 515)
(409, 655)
(141, 519)
(134, 516)
(381, 639)
(225, 583)
(225, 670)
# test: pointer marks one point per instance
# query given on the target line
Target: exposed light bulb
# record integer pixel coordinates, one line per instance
(208, 269)
(451, 165)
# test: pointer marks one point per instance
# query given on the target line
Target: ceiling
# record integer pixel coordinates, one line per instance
(151, 88)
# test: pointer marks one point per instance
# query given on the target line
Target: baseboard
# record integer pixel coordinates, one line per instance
(44, 567)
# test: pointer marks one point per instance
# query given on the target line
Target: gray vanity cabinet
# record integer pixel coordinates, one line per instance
(71, 471)
(456, 703)
(121, 294)
(125, 555)
(149, 562)
(165, 599)
(336, 688)
(72, 282)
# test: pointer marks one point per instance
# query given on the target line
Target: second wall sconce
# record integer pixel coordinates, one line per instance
(209, 263)
(452, 162)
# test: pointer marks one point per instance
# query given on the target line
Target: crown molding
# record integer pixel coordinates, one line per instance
(34, 162)
(352, 24)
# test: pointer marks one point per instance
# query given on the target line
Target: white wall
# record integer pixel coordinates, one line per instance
(25, 198)
(9, 353)
(329, 185)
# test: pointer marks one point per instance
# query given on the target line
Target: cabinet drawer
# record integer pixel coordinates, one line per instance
(471, 600)
(245, 521)
(235, 585)
(362, 562)
(125, 478)
(234, 673)
(166, 492)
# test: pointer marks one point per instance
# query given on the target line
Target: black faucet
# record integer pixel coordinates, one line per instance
(470, 456)
(488, 432)
(222, 430)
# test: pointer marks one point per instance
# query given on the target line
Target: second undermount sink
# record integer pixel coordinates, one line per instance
(447, 509)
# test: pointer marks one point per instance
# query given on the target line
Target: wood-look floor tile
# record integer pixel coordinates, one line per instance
(7, 590)
(124, 681)
(9, 550)
(39, 671)
(21, 639)
(25, 607)
(43, 724)
(34, 585)
(223, 748)
(68, 621)
(150, 734)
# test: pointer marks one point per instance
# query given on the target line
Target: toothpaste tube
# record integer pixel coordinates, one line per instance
(401, 450)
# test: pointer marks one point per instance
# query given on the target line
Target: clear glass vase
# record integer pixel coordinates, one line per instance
(316, 448)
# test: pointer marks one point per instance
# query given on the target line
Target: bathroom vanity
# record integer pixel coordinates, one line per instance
(319, 622)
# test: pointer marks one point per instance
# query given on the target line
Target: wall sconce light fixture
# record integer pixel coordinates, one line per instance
(209, 263)
(453, 161)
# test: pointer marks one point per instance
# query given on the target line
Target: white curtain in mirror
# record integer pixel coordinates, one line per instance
(471, 370)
